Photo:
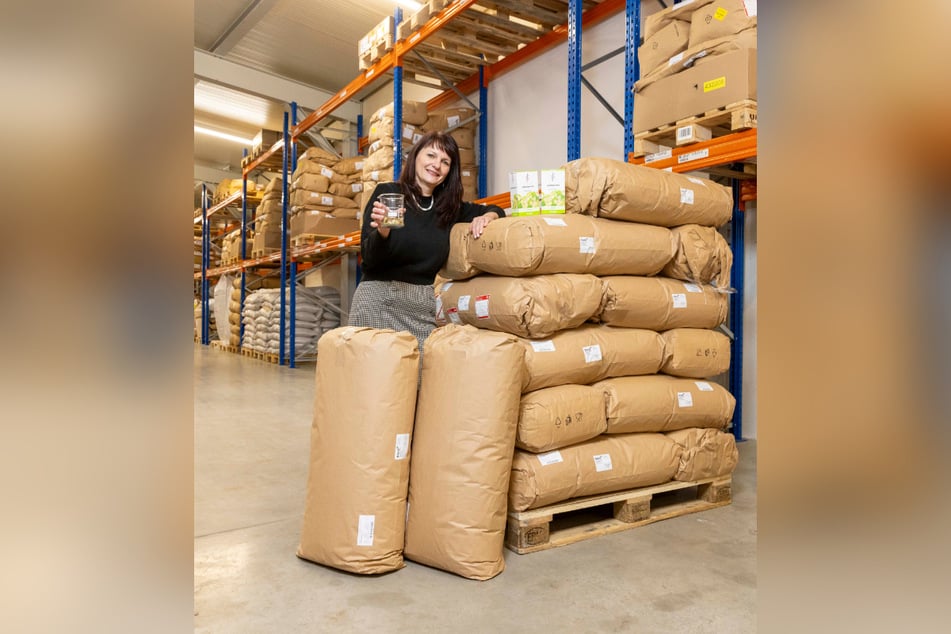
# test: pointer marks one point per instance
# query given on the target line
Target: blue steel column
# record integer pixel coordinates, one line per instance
(483, 131)
(632, 70)
(737, 243)
(205, 263)
(293, 275)
(574, 80)
(283, 303)
(397, 106)
(244, 255)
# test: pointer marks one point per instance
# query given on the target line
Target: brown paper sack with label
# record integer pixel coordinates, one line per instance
(660, 303)
(707, 453)
(701, 256)
(695, 353)
(559, 416)
(463, 444)
(355, 511)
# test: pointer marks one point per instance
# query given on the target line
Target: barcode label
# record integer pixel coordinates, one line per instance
(685, 132)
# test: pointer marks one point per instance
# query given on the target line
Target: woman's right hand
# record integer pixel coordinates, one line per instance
(376, 218)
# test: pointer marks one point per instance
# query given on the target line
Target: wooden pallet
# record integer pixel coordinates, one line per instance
(584, 518)
(734, 117)
(308, 239)
(270, 357)
(260, 253)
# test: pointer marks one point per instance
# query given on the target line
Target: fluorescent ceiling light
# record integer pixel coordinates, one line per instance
(223, 135)
(409, 4)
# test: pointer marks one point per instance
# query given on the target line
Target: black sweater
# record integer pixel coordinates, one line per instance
(415, 252)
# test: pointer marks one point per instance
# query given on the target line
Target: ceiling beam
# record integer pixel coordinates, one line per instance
(214, 69)
(246, 20)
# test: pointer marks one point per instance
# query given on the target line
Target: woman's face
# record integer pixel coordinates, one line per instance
(432, 167)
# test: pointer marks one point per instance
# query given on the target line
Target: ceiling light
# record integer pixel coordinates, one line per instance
(223, 135)
(409, 4)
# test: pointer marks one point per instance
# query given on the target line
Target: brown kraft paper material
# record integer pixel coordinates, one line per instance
(660, 303)
(695, 353)
(463, 444)
(707, 453)
(355, 510)
(559, 416)
(701, 256)
(457, 266)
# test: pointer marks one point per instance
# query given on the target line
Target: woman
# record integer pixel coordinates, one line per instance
(400, 264)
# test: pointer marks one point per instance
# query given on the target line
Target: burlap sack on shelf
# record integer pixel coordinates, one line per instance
(601, 465)
(701, 256)
(660, 303)
(355, 511)
(559, 416)
(706, 453)
(636, 193)
(660, 403)
(695, 353)
(590, 353)
(462, 451)
(570, 243)
(535, 306)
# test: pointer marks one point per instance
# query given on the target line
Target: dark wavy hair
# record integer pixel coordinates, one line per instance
(447, 197)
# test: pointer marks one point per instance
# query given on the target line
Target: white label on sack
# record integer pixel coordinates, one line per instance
(440, 315)
(327, 201)
(684, 133)
(679, 300)
(586, 244)
(693, 288)
(543, 346)
(554, 222)
(326, 171)
(703, 386)
(686, 196)
(356, 187)
(358, 165)
(592, 353)
(463, 303)
(454, 316)
(675, 59)
(552, 457)
(693, 156)
(402, 446)
(446, 286)
(659, 156)
(466, 173)
(684, 399)
(375, 175)
(482, 307)
(453, 120)
(695, 180)
(602, 462)
(750, 6)
(365, 530)
(409, 131)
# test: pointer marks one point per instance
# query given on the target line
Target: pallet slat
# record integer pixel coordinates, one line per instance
(740, 115)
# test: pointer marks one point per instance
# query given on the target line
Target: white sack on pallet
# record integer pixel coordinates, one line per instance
(572, 243)
(559, 416)
(601, 465)
(526, 306)
(462, 451)
(635, 193)
(590, 353)
(702, 256)
(695, 353)
(661, 403)
(355, 512)
(706, 453)
(660, 303)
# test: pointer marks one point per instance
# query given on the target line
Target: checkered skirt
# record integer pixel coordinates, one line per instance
(395, 305)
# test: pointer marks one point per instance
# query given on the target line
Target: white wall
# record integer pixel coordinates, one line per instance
(749, 323)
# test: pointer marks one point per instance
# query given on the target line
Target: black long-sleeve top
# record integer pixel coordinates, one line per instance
(415, 252)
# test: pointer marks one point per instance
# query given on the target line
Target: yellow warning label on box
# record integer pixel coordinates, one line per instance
(714, 84)
(720, 13)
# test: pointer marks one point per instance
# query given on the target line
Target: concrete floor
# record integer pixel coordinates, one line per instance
(695, 573)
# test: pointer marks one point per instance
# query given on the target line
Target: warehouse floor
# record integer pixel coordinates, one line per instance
(694, 573)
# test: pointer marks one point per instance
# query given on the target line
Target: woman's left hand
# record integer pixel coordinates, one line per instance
(479, 223)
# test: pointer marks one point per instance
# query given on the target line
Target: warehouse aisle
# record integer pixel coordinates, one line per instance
(694, 573)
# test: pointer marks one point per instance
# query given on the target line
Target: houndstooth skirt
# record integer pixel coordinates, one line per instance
(395, 305)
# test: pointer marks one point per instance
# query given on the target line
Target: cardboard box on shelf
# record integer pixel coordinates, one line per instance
(717, 82)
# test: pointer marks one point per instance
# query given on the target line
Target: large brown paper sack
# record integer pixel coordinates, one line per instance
(591, 353)
(696, 55)
(636, 193)
(311, 182)
(559, 416)
(355, 512)
(661, 403)
(707, 453)
(315, 167)
(602, 465)
(659, 48)
(695, 353)
(721, 18)
(346, 190)
(302, 197)
(348, 166)
(413, 112)
(446, 118)
(571, 243)
(457, 266)
(381, 130)
(681, 11)
(462, 451)
(660, 303)
(269, 207)
(320, 155)
(526, 306)
(381, 159)
(275, 184)
(464, 137)
(379, 175)
(701, 256)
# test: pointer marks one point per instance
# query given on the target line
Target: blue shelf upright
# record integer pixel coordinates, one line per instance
(574, 79)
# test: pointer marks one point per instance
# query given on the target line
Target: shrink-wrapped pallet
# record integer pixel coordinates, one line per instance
(695, 353)
(538, 245)
(532, 307)
(355, 511)
(590, 353)
(463, 444)
(607, 188)
(660, 303)
(559, 416)
(661, 403)
(601, 465)
(706, 453)
(701, 256)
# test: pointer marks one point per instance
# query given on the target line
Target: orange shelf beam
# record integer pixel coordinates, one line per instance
(501, 200)
(279, 144)
(706, 154)
(227, 202)
(347, 240)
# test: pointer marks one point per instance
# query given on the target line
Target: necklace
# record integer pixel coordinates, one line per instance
(432, 199)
